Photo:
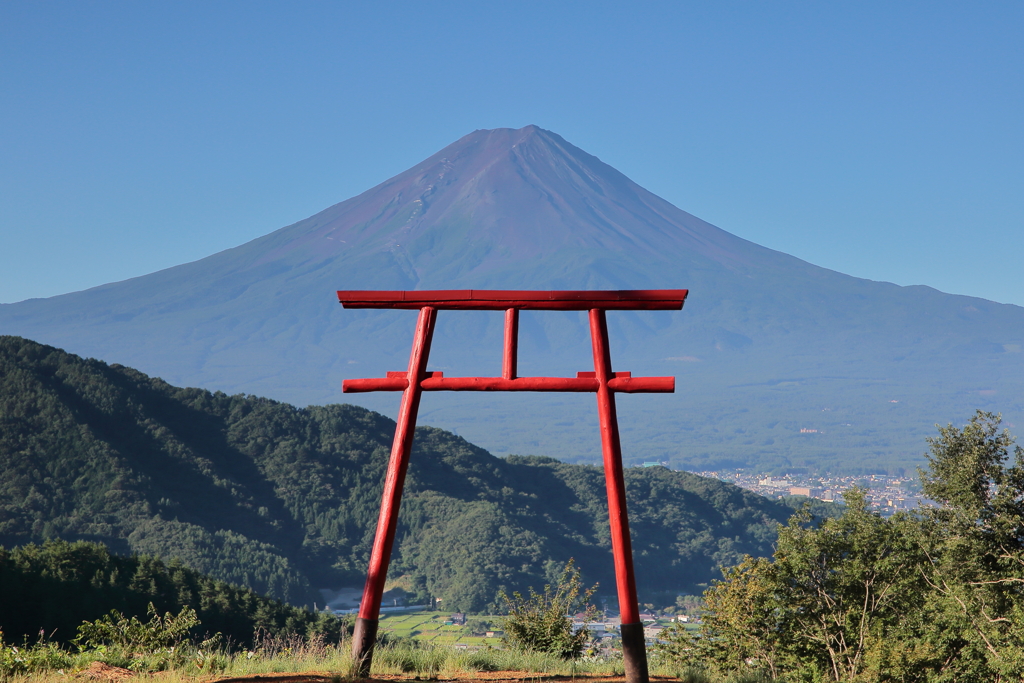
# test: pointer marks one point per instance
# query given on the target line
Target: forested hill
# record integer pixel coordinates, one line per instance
(53, 588)
(284, 500)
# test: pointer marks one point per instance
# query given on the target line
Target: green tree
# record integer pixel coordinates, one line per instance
(741, 625)
(835, 603)
(852, 590)
(543, 622)
(975, 546)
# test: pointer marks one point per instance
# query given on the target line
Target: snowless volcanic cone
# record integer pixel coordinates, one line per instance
(767, 345)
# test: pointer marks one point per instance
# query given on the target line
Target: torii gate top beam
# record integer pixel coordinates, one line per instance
(512, 302)
(528, 300)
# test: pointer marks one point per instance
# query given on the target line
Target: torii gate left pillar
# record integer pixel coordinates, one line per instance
(601, 381)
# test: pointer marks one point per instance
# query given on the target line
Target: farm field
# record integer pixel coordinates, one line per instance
(429, 627)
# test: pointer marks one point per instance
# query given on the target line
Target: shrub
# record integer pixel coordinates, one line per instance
(132, 635)
(542, 622)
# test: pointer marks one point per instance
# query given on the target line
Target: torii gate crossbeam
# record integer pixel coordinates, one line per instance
(602, 381)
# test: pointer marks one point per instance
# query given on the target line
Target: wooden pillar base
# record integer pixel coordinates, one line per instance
(364, 637)
(634, 653)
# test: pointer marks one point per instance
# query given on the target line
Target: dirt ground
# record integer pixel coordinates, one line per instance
(112, 674)
(98, 671)
(488, 676)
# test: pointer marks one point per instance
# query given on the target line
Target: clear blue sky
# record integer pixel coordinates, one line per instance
(880, 139)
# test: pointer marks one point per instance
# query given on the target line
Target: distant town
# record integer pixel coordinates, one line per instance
(886, 494)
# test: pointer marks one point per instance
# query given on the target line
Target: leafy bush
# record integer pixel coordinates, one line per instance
(145, 646)
(543, 621)
(132, 635)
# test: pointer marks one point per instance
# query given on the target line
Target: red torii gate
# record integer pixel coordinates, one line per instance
(602, 381)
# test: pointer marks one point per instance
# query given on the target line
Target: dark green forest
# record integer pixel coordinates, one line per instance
(283, 500)
(54, 587)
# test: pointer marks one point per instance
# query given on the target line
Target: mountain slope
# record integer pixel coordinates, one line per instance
(767, 344)
(283, 500)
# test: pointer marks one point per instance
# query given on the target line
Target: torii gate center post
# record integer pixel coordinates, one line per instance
(602, 381)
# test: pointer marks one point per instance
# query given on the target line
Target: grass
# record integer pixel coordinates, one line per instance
(436, 651)
(303, 655)
(410, 659)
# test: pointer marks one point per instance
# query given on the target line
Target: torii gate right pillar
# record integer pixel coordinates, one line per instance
(631, 629)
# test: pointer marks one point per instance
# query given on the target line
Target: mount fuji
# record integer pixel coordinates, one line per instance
(780, 364)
